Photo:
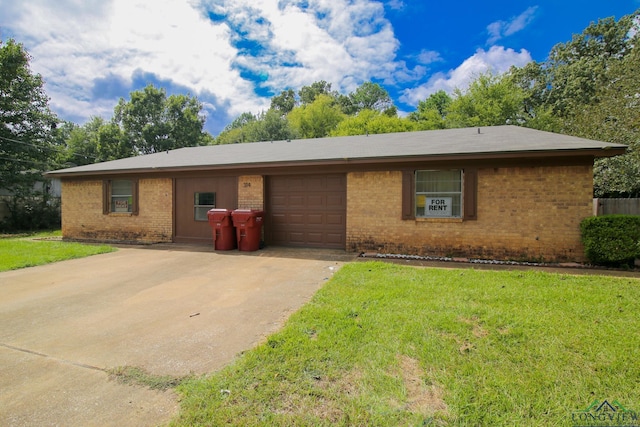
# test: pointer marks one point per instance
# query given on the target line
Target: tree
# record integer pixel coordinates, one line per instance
(345, 103)
(570, 76)
(577, 68)
(284, 102)
(490, 100)
(432, 112)
(230, 136)
(112, 143)
(26, 122)
(588, 87)
(615, 118)
(371, 96)
(316, 120)
(79, 144)
(275, 127)
(269, 126)
(617, 176)
(308, 94)
(151, 122)
(27, 144)
(373, 122)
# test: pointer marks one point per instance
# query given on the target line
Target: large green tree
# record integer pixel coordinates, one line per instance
(373, 122)
(574, 71)
(371, 96)
(76, 146)
(26, 122)
(615, 117)
(27, 143)
(589, 87)
(490, 100)
(308, 94)
(267, 126)
(152, 122)
(432, 112)
(318, 119)
(235, 131)
(284, 102)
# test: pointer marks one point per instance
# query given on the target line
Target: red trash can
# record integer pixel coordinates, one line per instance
(248, 225)
(224, 236)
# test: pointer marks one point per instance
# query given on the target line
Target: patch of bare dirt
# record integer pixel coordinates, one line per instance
(422, 398)
(478, 331)
(320, 404)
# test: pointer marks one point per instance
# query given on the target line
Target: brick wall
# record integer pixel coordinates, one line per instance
(82, 216)
(524, 213)
(251, 192)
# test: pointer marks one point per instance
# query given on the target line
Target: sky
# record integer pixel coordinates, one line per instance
(234, 55)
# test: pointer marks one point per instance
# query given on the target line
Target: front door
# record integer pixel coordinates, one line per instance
(194, 197)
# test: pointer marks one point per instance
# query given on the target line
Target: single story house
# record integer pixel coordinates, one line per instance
(503, 192)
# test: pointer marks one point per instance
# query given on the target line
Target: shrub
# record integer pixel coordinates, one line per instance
(30, 214)
(611, 240)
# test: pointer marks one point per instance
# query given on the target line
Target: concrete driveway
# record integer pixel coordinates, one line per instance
(169, 309)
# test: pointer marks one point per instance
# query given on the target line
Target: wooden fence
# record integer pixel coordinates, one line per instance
(616, 206)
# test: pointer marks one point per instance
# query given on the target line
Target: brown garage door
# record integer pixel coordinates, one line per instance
(306, 210)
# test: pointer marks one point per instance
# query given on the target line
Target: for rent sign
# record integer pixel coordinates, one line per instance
(121, 206)
(438, 206)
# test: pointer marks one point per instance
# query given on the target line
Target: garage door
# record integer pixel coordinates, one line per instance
(307, 210)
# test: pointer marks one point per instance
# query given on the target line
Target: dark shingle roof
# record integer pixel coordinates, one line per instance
(485, 142)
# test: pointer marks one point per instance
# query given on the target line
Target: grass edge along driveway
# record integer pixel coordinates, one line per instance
(35, 249)
(382, 344)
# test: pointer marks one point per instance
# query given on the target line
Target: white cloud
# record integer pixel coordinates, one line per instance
(427, 57)
(339, 41)
(76, 44)
(496, 60)
(500, 29)
(396, 4)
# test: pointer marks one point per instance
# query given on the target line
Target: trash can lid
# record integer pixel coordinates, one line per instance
(248, 211)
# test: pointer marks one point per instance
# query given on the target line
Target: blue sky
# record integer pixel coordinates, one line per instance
(235, 54)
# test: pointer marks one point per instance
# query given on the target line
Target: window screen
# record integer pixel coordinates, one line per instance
(438, 194)
(121, 195)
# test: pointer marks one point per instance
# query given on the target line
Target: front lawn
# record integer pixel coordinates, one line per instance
(381, 344)
(28, 251)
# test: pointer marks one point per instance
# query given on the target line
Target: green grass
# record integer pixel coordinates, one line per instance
(133, 375)
(386, 345)
(28, 251)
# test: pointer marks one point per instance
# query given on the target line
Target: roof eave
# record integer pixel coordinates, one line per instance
(525, 155)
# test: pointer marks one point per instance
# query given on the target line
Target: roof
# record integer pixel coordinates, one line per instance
(486, 142)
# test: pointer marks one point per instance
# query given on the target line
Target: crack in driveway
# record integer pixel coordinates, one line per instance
(57, 359)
